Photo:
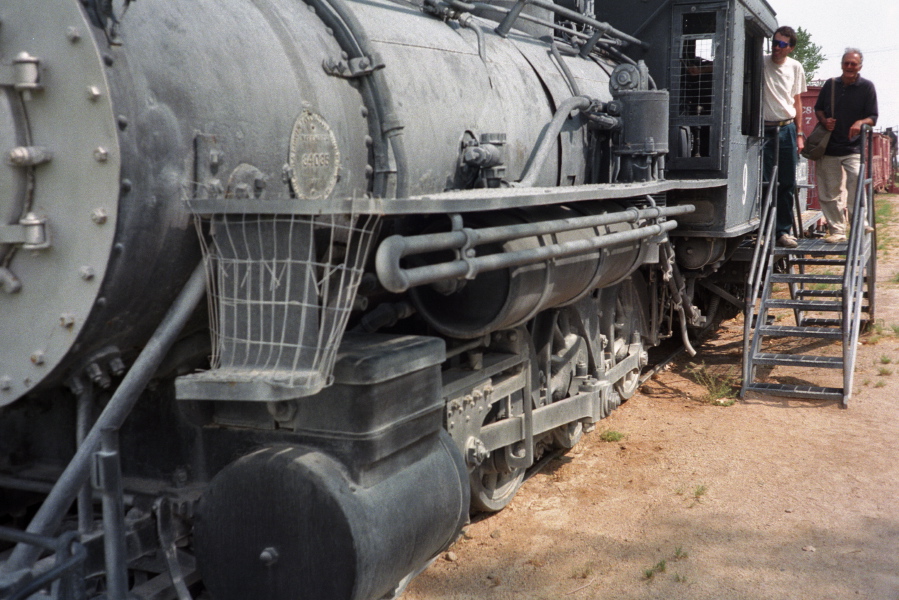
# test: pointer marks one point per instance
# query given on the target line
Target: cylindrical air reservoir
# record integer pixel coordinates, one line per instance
(644, 115)
(508, 297)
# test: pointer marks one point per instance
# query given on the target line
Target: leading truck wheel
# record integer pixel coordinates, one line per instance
(491, 491)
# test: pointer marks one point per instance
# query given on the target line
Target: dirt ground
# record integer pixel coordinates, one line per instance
(768, 498)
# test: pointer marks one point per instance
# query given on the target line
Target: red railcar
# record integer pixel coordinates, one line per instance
(882, 164)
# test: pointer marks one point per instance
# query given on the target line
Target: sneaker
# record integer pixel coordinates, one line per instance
(835, 238)
(869, 229)
(787, 241)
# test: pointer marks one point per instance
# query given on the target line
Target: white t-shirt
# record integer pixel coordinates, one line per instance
(782, 84)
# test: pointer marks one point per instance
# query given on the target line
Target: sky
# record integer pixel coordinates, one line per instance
(869, 25)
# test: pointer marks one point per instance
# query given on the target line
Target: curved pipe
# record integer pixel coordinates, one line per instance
(467, 20)
(396, 279)
(548, 138)
(576, 16)
(354, 41)
(554, 48)
(60, 498)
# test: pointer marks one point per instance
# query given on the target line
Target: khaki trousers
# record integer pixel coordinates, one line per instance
(834, 197)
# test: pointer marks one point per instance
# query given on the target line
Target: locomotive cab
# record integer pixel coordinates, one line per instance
(714, 52)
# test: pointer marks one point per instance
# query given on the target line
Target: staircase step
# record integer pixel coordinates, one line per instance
(806, 278)
(799, 304)
(799, 360)
(796, 391)
(800, 332)
(820, 293)
(818, 261)
(820, 322)
(813, 247)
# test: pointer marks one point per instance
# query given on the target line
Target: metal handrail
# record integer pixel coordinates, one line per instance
(764, 237)
(860, 253)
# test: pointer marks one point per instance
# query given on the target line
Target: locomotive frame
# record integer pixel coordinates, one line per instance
(417, 282)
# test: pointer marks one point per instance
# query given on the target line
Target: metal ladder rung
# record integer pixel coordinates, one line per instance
(818, 322)
(808, 305)
(818, 261)
(799, 360)
(806, 278)
(811, 392)
(800, 332)
(820, 293)
(819, 251)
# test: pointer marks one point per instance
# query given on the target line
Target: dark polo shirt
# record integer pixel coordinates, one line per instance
(853, 102)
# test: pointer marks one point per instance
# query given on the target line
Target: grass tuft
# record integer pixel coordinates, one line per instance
(658, 568)
(721, 389)
(610, 435)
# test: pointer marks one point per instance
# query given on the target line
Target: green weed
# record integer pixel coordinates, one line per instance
(658, 568)
(721, 390)
(610, 435)
(699, 491)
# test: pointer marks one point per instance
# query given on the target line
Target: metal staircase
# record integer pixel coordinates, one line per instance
(826, 287)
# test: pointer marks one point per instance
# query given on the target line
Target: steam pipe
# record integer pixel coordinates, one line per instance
(396, 279)
(398, 246)
(467, 20)
(60, 498)
(513, 13)
(354, 41)
(576, 16)
(565, 70)
(545, 145)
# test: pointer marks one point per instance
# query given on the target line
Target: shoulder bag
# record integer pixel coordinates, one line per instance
(816, 142)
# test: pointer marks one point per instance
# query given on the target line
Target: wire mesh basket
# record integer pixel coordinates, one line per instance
(281, 288)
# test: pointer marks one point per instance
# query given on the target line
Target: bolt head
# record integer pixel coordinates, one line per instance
(269, 556)
(99, 216)
(37, 357)
(101, 154)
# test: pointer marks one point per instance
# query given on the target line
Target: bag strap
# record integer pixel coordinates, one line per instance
(833, 103)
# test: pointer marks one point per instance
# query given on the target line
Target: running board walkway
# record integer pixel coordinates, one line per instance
(830, 287)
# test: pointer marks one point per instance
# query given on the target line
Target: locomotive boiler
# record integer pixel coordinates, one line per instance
(435, 240)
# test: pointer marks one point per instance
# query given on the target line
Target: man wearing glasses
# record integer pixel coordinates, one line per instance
(782, 109)
(855, 104)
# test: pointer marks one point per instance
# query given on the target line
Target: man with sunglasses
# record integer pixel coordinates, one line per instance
(855, 105)
(782, 109)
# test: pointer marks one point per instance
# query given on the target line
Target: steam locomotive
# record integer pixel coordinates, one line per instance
(435, 239)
